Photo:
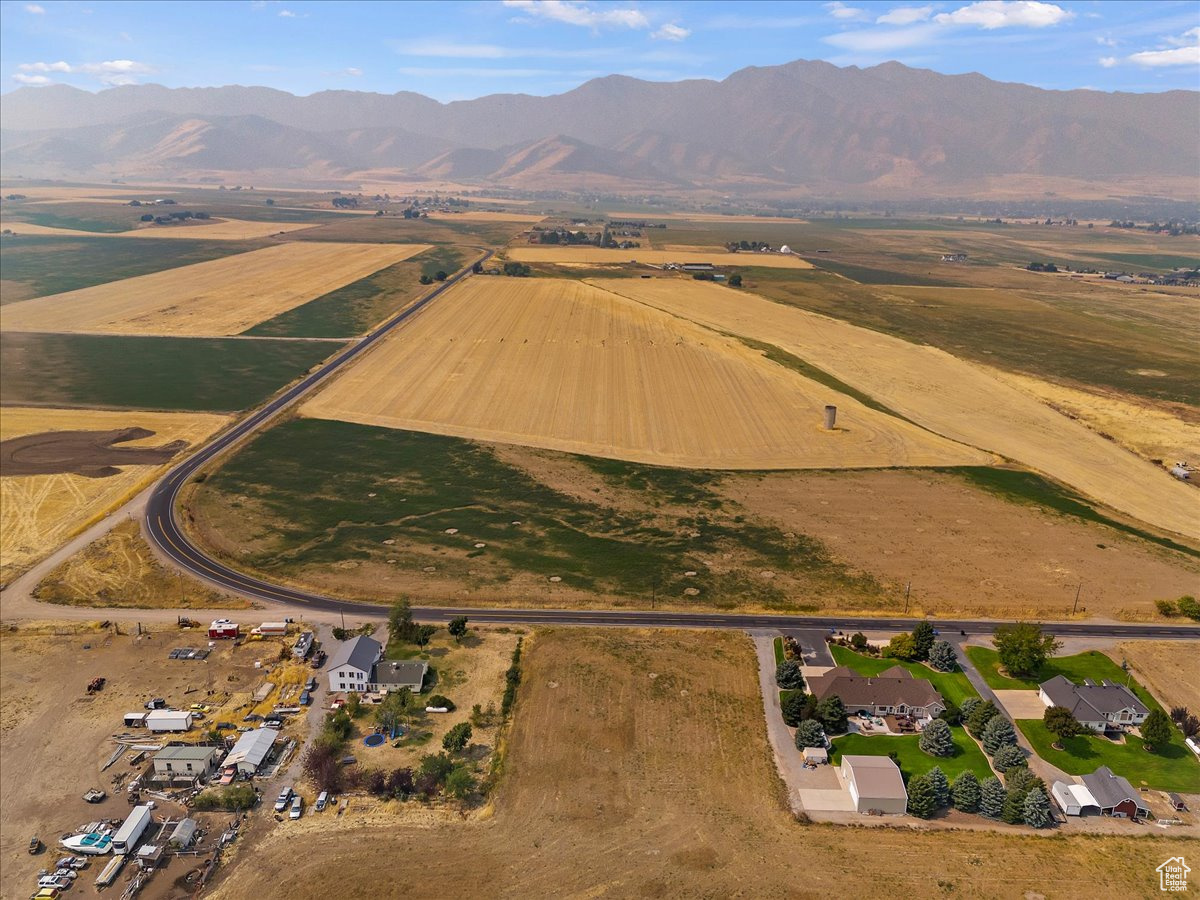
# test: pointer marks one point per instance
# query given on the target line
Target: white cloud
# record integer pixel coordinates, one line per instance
(1182, 51)
(990, 14)
(288, 14)
(905, 15)
(568, 12)
(34, 9)
(353, 71)
(32, 80)
(883, 40)
(840, 10)
(110, 72)
(1108, 61)
(670, 32)
(1106, 41)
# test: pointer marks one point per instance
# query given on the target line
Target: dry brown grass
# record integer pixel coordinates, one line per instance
(1168, 668)
(120, 570)
(565, 366)
(220, 297)
(947, 395)
(39, 512)
(487, 215)
(638, 767)
(602, 256)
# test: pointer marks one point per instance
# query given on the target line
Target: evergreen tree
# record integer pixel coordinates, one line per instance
(965, 792)
(922, 799)
(936, 739)
(792, 707)
(980, 715)
(1008, 757)
(967, 706)
(788, 676)
(940, 784)
(1013, 811)
(1037, 809)
(832, 713)
(942, 656)
(810, 734)
(923, 637)
(991, 798)
(999, 732)
(1156, 730)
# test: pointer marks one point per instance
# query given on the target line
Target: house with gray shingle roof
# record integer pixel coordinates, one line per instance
(351, 665)
(1115, 795)
(891, 692)
(1100, 707)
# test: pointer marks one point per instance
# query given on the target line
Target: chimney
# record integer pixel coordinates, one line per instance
(830, 417)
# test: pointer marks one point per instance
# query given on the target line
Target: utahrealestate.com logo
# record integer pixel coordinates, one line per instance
(1172, 875)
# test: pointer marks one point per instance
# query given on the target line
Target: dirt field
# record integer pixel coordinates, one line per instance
(594, 255)
(121, 570)
(949, 396)
(39, 512)
(212, 229)
(561, 365)
(220, 297)
(1164, 667)
(638, 767)
(56, 736)
(1150, 432)
(994, 559)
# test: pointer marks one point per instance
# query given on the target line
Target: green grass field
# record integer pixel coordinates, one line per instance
(356, 307)
(868, 275)
(954, 686)
(200, 374)
(777, 645)
(1090, 664)
(1170, 768)
(51, 265)
(1157, 262)
(912, 759)
(328, 492)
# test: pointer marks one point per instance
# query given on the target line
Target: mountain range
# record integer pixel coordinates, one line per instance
(805, 125)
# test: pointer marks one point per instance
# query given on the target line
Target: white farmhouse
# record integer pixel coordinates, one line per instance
(351, 666)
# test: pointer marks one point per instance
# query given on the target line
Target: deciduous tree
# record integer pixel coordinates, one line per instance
(1061, 722)
(457, 738)
(457, 628)
(1023, 648)
(1156, 730)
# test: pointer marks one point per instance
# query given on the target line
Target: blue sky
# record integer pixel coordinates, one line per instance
(458, 50)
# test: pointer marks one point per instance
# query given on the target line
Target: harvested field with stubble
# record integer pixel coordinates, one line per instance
(637, 766)
(1164, 667)
(585, 253)
(215, 298)
(565, 366)
(200, 229)
(945, 394)
(39, 512)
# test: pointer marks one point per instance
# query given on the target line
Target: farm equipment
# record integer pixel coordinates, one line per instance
(95, 795)
(96, 684)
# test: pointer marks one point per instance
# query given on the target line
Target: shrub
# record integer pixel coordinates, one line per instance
(788, 675)
(512, 678)
(810, 734)
(965, 792)
(232, 799)
(1166, 608)
(436, 766)
(858, 641)
(936, 739)
(457, 738)
(901, 646)
(440, 701)
(1189, 607)
(460, 783)
(1008, 757)
(400, 783)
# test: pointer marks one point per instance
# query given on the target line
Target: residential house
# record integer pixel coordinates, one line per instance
(185, 763)
(1114, 795)
(1100, 707)
(391, 675)
(875, 784)
(892, 692)
(351, 665)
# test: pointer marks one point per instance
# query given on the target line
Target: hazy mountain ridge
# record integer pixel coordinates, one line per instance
(799, 123)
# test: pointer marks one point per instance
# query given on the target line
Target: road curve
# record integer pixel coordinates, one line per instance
(162, 528)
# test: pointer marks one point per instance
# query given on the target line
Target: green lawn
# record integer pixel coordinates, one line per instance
(912, 759)
(1172, 768)
(1092, 664)
(954, 686)
(778, 645)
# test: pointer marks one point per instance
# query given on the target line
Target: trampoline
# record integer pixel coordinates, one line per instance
(374, 740)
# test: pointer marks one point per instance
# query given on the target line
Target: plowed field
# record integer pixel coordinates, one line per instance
(940, 392)
(215, 298)
(565, 366)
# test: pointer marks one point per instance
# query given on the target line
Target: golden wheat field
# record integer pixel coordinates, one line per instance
(565, 366)
(39, 512)
(220, 297)
(947, 395)
(603, 256)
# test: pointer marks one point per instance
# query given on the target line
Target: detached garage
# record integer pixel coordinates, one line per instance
(875, 784)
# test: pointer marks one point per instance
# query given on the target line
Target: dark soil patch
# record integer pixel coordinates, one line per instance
(88, 453)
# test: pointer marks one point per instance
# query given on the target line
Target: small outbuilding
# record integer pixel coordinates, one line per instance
(251, 749)
(173, 763)
(184, 833)
(1073, 799)
(1115, 796)
(817, 755)
(1177, 802)
(875, 784)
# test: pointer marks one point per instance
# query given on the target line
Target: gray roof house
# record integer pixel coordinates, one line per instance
(350, 665)
(1114, 795)
(891, 692)
(390, 675)
(173, 763)
(1101, 707)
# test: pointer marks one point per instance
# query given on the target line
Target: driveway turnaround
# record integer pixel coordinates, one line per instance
(1021, 704)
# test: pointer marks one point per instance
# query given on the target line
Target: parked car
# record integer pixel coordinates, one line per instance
(322, 800)
(35, 845)
(223, 726)
(297, 807)
(273, 722)
(305, 698)
(284, 797)
(54, 881)
(318, 659)
(200, 707)
(46, 894)
(156, 703)
(311, 684)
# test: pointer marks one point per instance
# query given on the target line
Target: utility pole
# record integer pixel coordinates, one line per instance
(907, 591)
(1077, 590)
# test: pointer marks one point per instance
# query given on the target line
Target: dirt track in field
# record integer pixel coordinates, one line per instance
(945, 394)
(565, 366)
(215, 298)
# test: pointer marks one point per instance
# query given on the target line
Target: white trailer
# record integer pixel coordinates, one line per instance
(132, 829)
(273, 629)
(169, 720)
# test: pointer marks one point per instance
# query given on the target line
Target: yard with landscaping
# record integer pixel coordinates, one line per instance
(911, 759)
(1172, 767)
(953, 686)
(1092, 664)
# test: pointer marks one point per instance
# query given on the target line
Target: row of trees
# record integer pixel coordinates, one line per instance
(919, 645)
(1020, 798)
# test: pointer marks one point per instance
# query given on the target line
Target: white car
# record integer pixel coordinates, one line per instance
(284, 798)
(297, 807)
